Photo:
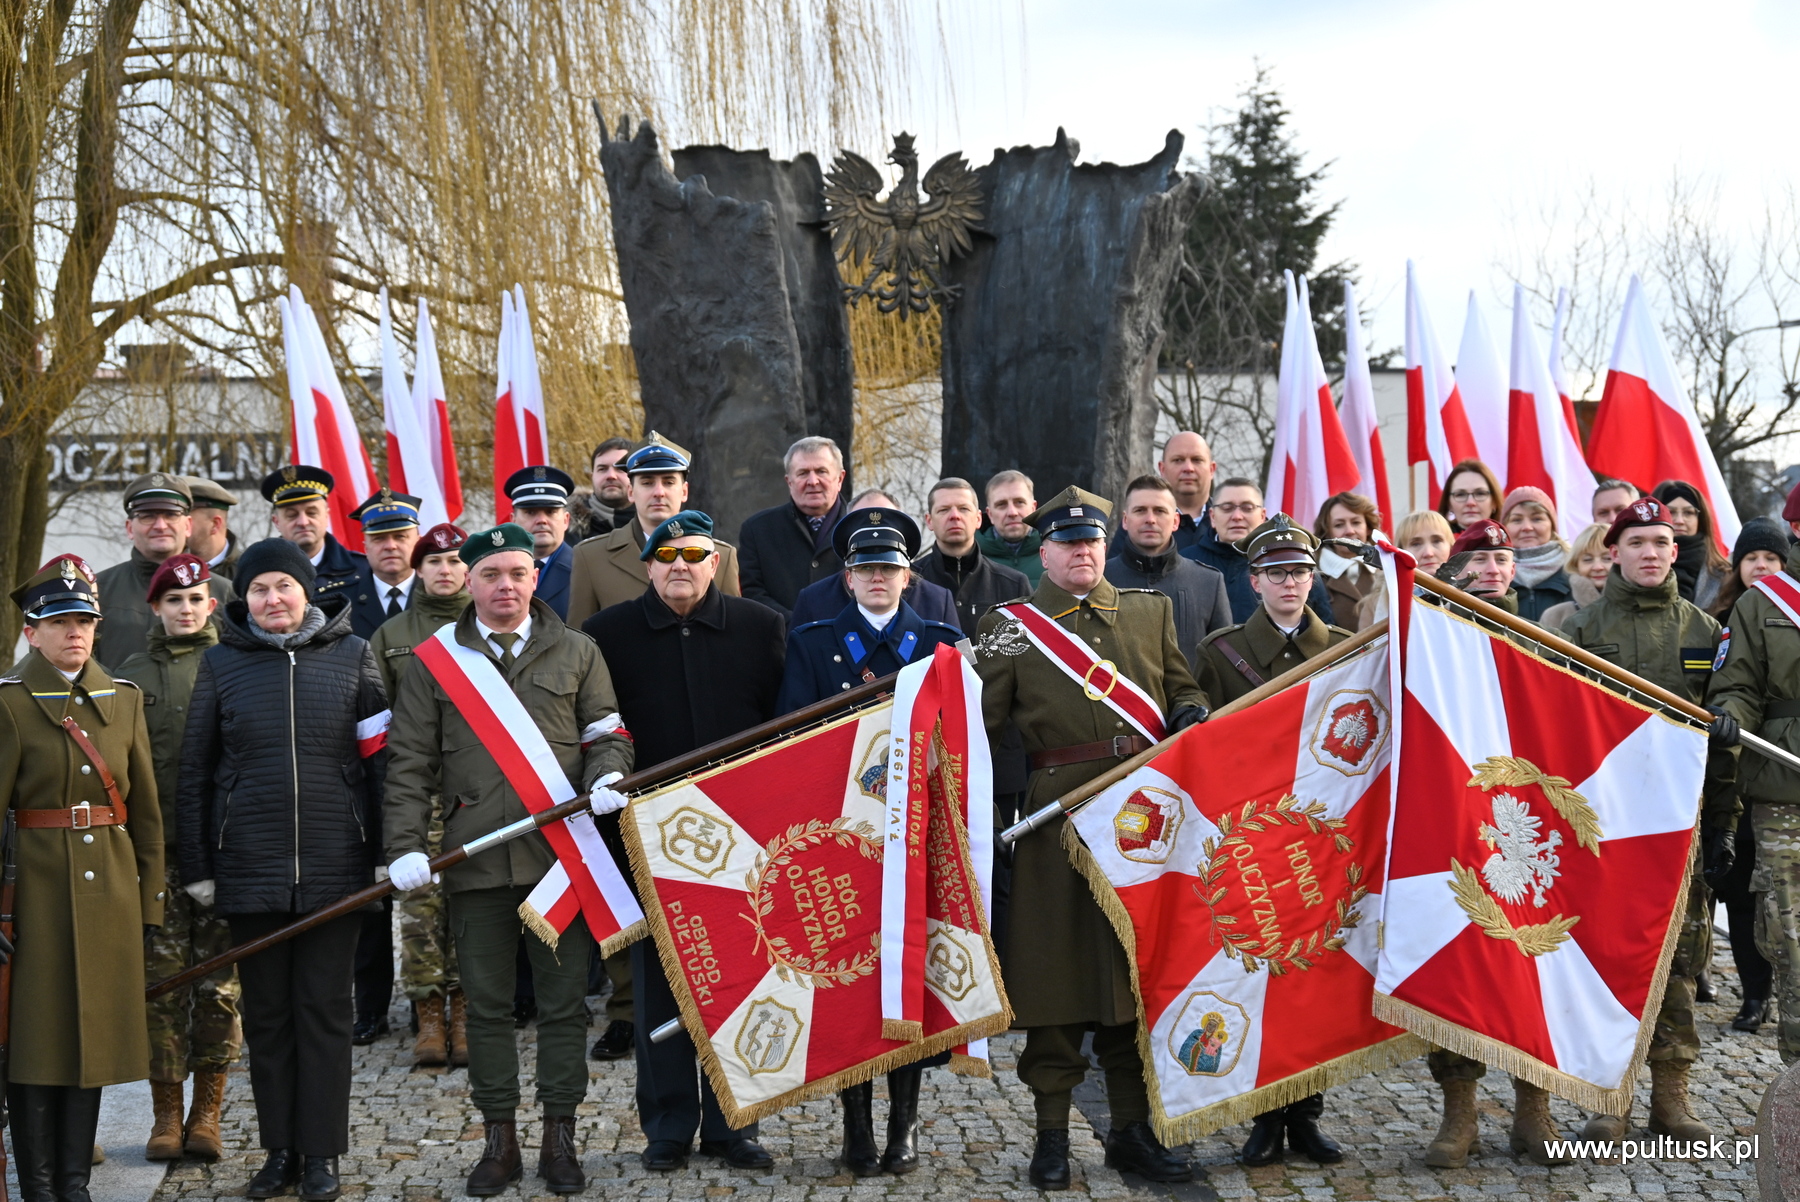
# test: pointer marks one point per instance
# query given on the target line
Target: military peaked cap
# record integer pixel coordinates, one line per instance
(540, 487)
(1278, 540)
(878, 534)
(295, 483)
(65, 585)
(657, 454)
(1072, 515)
(158, 491)
(387, 510)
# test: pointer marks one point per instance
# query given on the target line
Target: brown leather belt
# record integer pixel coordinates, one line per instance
(74, 818)
(1117, 747)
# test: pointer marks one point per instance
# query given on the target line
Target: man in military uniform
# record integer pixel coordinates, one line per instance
(540, 501)
(562, 682)
(607, 569)
(390, 525)
(1758, 684)
(211, 537)
(301, 513)
(1481, 563)
(88, 884)
(1282, 633)
(1065, 969)
(157, 523)
(193, 1030)
(427, 960)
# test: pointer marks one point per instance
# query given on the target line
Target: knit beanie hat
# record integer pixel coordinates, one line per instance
(1761, 534)
(275, 555)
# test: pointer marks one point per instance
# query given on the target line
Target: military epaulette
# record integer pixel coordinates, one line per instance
(134, 684)
(1220, 632)
(12, 680)
(810, 625)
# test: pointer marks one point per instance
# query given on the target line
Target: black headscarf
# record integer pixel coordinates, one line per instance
(1691, 550)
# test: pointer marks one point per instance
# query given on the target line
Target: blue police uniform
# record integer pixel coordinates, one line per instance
(386, 510)
(829, 657)
(541, 486)
(553, 579)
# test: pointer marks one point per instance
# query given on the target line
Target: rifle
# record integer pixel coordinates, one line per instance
(637, 782)
(9, 877)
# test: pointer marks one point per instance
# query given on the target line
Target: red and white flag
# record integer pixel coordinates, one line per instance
(1538, 861)
(584, 879)
(409, 466)
(1557, 376)
(1437, 429)
(1542, 450)
(519, 426)
(1481, 382)
(1646, 429)
(1242, 870)
(432, 403)
(1314, 459)
(321, 430)
(1361, 426)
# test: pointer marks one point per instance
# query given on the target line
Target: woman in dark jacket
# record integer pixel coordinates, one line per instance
(1700, 570)
(280, 813)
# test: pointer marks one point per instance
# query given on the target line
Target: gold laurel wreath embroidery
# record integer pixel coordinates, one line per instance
(1240, 945)
(1536, 939)
(780, 852)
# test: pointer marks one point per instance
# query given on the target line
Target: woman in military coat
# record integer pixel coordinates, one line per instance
(88, 883)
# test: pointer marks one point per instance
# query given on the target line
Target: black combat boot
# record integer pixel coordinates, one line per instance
(902, 1155)
(78, 1117)
(860, 1156)
(1050, 1160)
(1268, 1134)
(33, 1112)
(1303, 1134)
(1134, 1148)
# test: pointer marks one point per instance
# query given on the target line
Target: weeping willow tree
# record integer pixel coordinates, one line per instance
(172, 165)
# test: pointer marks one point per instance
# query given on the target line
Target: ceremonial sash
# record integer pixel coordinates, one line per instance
(1100, 679)
(1784, 591)
(584, 867)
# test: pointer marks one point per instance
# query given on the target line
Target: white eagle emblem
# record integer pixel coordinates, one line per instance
(1522, 861)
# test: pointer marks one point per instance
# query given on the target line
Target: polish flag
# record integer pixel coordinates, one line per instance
(1279, 492)
(322, 431)
(519, 400)
(1358, 413)
(1646, 430)
(1541, 449)
(431, 401)
(1437, 429)
(409, 466)
(1317, 459)
(1481, 379)
(1557, 376)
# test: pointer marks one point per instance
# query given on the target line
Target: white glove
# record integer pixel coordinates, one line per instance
(200, 891)
(411, 871)
(607, 800)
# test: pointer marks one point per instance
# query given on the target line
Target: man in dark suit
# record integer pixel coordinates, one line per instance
(540, 500)
(788, 547)
(390, 523)
(1152, 559)
(826, 598)
(955, 563)
(690, 665)
(301, 513)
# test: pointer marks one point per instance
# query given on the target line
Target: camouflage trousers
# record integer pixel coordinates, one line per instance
(1675, 1038)
(192, 1030)
(1775, 887)
(427, 961)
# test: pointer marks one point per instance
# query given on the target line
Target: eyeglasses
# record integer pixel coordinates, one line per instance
(876, 571)
(1471, 494)
(1230, 507)
(688, 554)
(1283, 575)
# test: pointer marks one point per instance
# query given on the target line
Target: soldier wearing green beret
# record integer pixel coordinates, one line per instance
(1090, 674)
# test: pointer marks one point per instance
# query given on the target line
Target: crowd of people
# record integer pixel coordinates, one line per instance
(214, 739)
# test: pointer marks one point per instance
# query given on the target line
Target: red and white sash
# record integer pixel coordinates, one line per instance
(372, 732)
(1784, 591)
(1100, 679)
(584, 880)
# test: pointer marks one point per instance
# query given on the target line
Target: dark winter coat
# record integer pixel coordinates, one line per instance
(166, 674)
(279, 805)
(1021, 556)
(1198, 592)
(339, 572)
(824, 658)
(778, 555)
(976, 582)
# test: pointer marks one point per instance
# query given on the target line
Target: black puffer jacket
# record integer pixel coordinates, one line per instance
(278, 804)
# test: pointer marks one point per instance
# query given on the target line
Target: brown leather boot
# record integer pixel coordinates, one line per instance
(1455, 1138)
(500, 1164)
(165, 1129)
(1671, 1113)
(459, 1031)
(559, 1163)
(430, 1048)
(1532, 1126)
(203, 1138)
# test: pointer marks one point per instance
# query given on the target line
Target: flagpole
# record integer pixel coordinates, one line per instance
(1082, 794)
(637, 782)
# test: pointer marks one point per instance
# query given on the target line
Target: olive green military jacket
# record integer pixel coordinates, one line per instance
(129, 619)
(607, 570)
(563, 684)
(166, 674)
(1650, 632)
(1761, 674)
(1063, 963)
(84, 896)
(1268, 650)
(395, 639)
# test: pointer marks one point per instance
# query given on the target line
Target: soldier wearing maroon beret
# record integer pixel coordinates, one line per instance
(1481, 564)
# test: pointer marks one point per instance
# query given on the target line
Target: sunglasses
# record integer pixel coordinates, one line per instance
(690, 554)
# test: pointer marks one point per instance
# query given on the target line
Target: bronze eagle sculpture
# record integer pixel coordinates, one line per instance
(905, 241)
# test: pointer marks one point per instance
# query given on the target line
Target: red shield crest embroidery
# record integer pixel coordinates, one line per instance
(1144, 827)
(1349, 728)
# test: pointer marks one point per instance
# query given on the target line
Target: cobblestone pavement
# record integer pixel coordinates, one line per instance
(414, 1137)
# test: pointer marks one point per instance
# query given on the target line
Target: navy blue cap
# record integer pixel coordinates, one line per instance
(540, 487)
(657, 454)
(387, 510)
(296, 482)
(876, 535)
(689, 522)
(65, 585)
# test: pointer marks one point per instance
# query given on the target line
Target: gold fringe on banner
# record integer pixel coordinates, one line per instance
(902, 1030)
(970, 1066)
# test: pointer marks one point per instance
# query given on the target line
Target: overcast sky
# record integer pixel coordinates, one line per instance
(1445, 119)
